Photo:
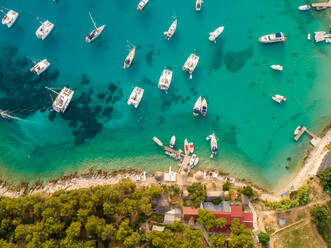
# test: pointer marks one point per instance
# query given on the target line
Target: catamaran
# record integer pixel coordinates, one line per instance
(136, 96)
(213, 35)
(198, 4)
(44, 30)
(204, 107)
(142, 4)
(165, 79)
(213, 144)
(190, 64)
(273, 38)
(279, 98)
(62, 100)
(129, 59)
(186, 147)
(171, 30)
(197, 107)
(9, 18)
(95, 33)
(40, 67)
(277, 67)
(172, 141)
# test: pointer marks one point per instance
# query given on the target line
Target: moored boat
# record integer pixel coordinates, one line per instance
(191, 63)
(197, 107)
(186, 147)
(213, 144)
(308, 36)
(62, 100)
(40, 67)
(44, 30)
(129, 59)
(213, 35)
(193, 161)
(191, 147)
(297, 130)
(95, 33)
(172, 141)
(276, 67)
(279, 98)
(272, 38)
(165, 79)
(9, 18)
(198, 4)
(204, 107)
(157, 141)
(304, 7)
(142, 4)
(136, 96)
(171, 30)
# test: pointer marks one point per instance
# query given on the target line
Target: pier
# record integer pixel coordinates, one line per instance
(168, 149)
(184, 167)
(322, 5)
(315, 139)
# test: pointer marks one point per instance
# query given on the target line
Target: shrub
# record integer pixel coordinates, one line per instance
(325, 178)
(226, 186)
(264, 239)
(248, 191)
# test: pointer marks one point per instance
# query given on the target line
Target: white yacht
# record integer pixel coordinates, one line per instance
(193, 161)
(304, 7)
(9, 18)
(157, 141)
(142, 4)
(297, 130)
(279, 98)
(62, 100)
(171, 30)
(40, 67)
(273, 38)
(213, 144)
(44, 30)
(190, 64)
(213, 35)
(136, 96)
(197, 107)
(276, 67)
(198, 4)
(204, 107)
(172, 141)
(94, 34)
(165, 79)
(129, 59)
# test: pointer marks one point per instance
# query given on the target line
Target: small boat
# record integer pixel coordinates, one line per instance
(142, 4)
(40, 67)
(308, 37)
(171, 30)
(129, 59)
(136, 96)
(157, 141)
(186, 147)
(193, 161)
(204, 107)
(198, 4)
(213, 36)
(191, 147)
(165, 79)
(197, 107)
(320, 7)
(190, 64)
(304, 7)
(319, 36)
(172, 141)
(279, 98)
(328, 40)
(277, 67)
(44, 30)
(94, 34)
(62, 100)
(213, 144)
(9, 18)
(297, 130)
(273, 38)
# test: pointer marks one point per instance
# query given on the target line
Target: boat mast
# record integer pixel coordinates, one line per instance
(51, 90)
(95, 25)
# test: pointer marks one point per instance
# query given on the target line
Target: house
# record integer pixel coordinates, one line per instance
(170, 176)
(173, 215)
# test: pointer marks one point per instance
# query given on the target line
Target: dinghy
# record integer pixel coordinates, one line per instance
(191, 147)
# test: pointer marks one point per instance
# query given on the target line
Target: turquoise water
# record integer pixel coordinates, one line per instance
(100, 130)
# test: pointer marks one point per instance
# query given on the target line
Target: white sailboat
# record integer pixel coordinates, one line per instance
(198, 4)
(171, 30)
(129, 59)
(44, 30)
(276, 67)
(136, 96)
(165, 79)
(279, 98)
(204, 107)
(213, 144)
(9, 18)
(142, 4)
(191, 63)
(62, 100)
(213, 35)
(40, 67)
(197, 107)
(95, 33)
(172, 141)
(273, 38)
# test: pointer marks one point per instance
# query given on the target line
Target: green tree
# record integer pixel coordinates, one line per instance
(218, 240)
(226, 186)
(248, 191)
(264, 239)
(124, 230)
(241, 241)
(132, 241)
(197, 193)
(95, 226)
(220, 222)
(325, 178)
(73, 231)
(193, 238)
(206, 219)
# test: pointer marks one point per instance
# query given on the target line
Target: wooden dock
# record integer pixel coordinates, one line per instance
(184, 167)
(315, 139)
(322, 5)
(302, 131)
(168, 149)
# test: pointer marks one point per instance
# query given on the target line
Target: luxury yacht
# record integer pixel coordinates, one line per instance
(40, 67)
(165, 79)
(190, 64)
(213, 36)
(197, 107)
(277, 67)
(94, 34)
(204, 107)
(142, 4)
(9, 18)
(44, 30)
(213, 144)
(62, 100)
(273, 38)
(171, 30)
(198, 4)
(279, 98)
(136, 96)
(129, 59)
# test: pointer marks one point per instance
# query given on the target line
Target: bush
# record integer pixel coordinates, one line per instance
(226, 186)
(320, 215)
(264, 239)
(325, 178)
(248, 191)
(197, 194)
(217, 201)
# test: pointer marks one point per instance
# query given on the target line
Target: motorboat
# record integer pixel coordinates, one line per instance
(9, 18)
(277, 67)
(190, 64)
(165, 79)
(62, 100)
(142, 4)
(129, 59)
(157, 141)
(198, 4)
(44, 30)
(328, 40)
(136, 96)
(95, 33)
(273, 38)
(213, 36)
(172, 141)
(204, 107)
(297, 130)
(308, 37)
(186, 147)
(40, 67)
(193, 161)
(279, 98)
(191, 147)
(320, 7)
(171, 30)
(197, 107)
(304, 7)
(213, 144)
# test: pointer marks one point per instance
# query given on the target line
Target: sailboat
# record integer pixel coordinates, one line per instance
(44, 30)
(198, 4)
(136, 96)
(171, 30)
(9, 18)
(40, 67)
(172, 141)
(186, 147)
(191, 63)
(213, 35)
(157, 141)
(165, 79)
(94, 33)
(62, 100)
(204, 107)
(197, 107)
(129, 59)
(213, 144)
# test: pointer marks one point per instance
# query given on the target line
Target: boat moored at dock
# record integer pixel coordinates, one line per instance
(171, 30)
(272, 38)
(44, 30)
(276, 67)
(186, 147)
(136, 96)
(62, 100)
(193, 161)
(213, 35)
(204, 107)
(191, 63)
(198, 5)
(213, 144)
(40, 67)
(172, 141)
(9, 18)
(165, 79)
(142, 4)
(129, 59)
(197, 107)
(304, 7)
(157, 141)
(279, 98)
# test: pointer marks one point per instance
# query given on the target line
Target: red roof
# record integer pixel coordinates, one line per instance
(225, 215)
(237, 211)
(248, 217)
(190, 211)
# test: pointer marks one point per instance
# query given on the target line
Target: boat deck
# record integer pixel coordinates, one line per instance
(321, 5)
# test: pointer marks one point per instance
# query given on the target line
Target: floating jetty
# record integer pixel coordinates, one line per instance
(322, 5)
(315, 139)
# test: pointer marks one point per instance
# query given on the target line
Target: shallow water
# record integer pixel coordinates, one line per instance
(99, 129)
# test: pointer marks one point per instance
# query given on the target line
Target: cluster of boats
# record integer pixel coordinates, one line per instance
(200, 107)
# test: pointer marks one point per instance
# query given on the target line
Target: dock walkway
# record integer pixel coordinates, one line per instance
(315, 139)
(322, 5)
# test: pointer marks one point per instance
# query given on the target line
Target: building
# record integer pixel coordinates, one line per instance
(172, 215)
